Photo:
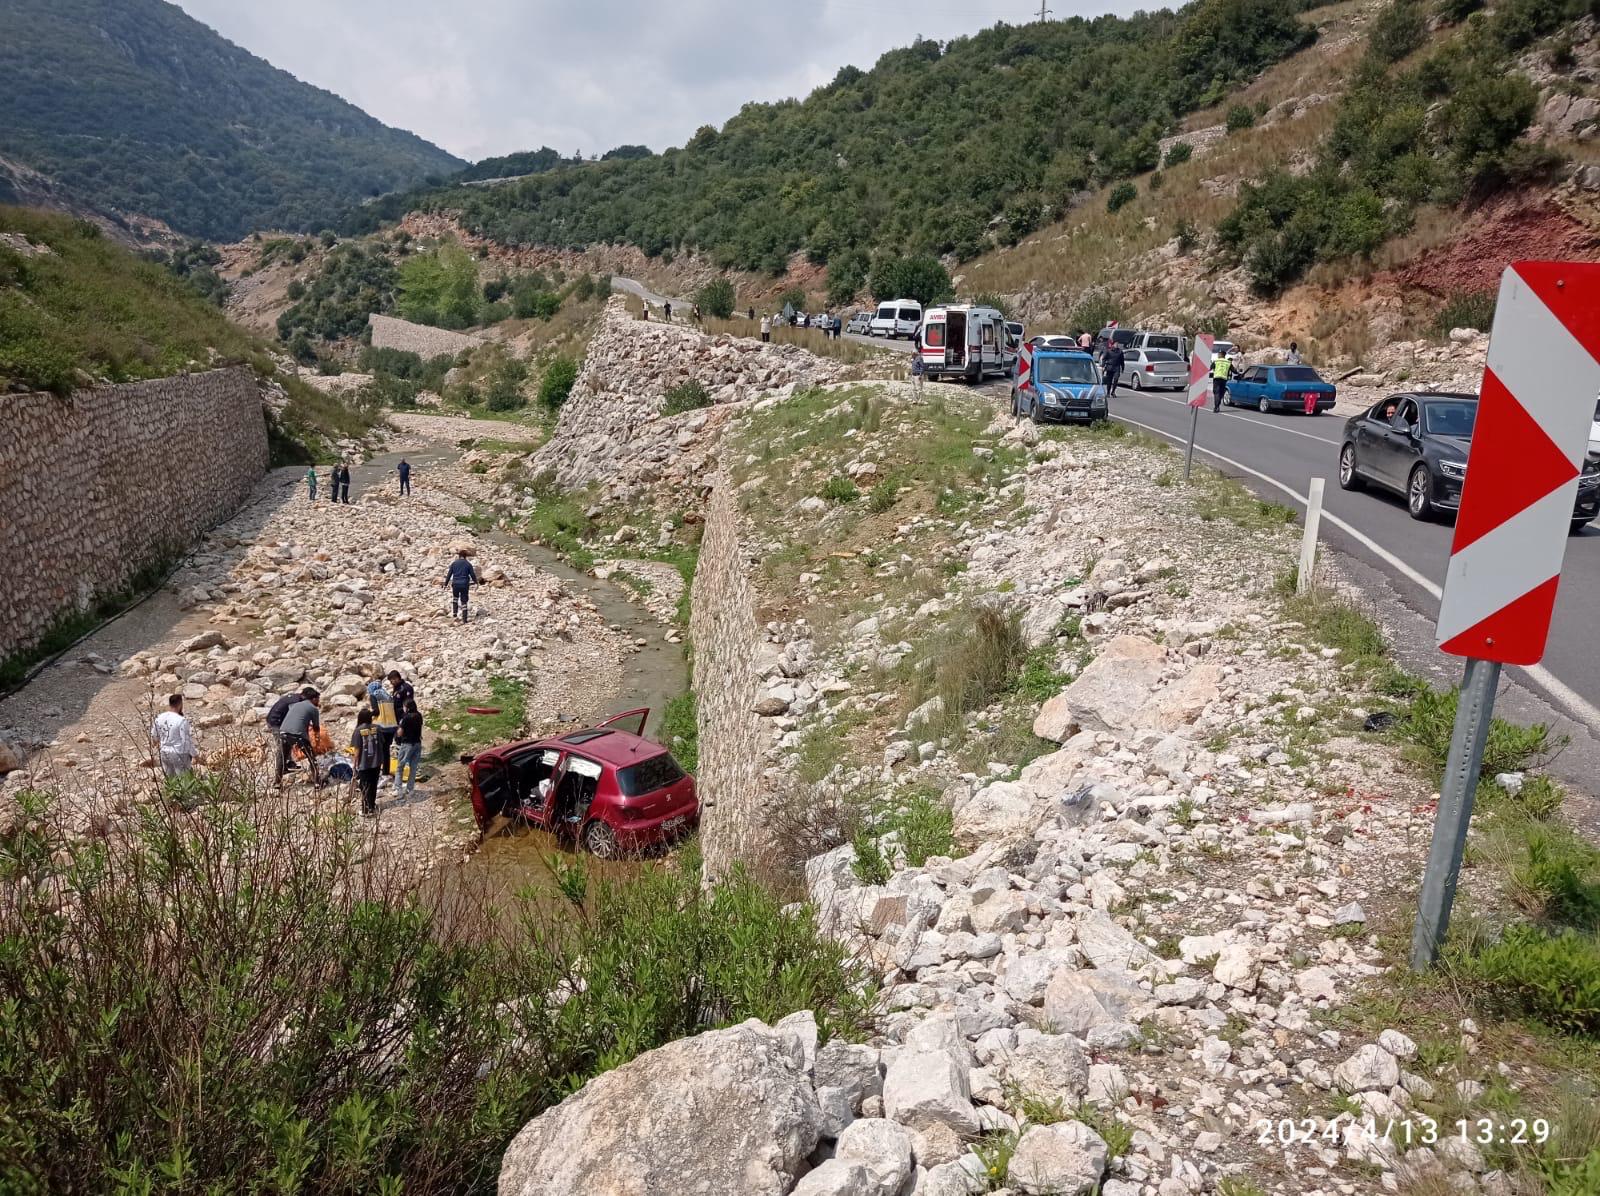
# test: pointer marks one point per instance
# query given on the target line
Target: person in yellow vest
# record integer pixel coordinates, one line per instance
(1221, 368)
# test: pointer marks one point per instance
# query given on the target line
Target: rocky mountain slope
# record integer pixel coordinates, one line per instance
(140, 110)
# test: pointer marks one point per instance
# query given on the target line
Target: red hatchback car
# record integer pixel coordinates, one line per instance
(608, 788)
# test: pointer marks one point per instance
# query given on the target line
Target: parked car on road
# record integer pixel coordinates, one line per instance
(1153, 369)
(1063, 384)
(1417, 446)
(860, 323)
(1280, 387)
(896, 318)
(610, 789)
(1053, 340)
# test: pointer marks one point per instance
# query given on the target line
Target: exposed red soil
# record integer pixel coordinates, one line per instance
(1501, 232)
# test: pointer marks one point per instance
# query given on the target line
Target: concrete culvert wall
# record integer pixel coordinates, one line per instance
(106, 483)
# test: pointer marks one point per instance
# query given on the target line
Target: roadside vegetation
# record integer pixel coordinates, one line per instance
(459, 731)
(314, 1024)
(88, 311)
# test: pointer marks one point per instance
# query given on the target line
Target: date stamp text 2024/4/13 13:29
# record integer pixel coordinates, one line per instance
(1403, 1132)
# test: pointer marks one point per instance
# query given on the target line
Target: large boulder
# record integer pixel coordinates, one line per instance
(1047, 1067)
(927, 1087)
(1179, 704)
(1076, 1002)
(1003, 810)
(1109, 693)
(727, 1111)
(1065, 1159)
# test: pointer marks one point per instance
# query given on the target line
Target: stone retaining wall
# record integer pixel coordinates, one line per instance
(424, 340)
(733, 741)
(105, 482)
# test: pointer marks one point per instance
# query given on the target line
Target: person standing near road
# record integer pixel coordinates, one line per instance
(460, 577)
(367, 745)
(667, 309)
(173, 739)
(1085, 341)
(1221, 368)
(408, 748)
(1294, 357)
(918, 369)
(1112, 362)
(311, 483)
(766, 328)
(404, 470)
(752, 314)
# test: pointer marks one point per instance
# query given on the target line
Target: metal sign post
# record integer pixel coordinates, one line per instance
(1474, 710)
(1528, 445)
(1199, 388)
(1306, 574)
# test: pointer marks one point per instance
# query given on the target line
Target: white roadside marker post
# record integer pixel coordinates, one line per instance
(1199, 389)
(1306, 573)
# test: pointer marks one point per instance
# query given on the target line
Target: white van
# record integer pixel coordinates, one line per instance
(965, 340)
(896, 318)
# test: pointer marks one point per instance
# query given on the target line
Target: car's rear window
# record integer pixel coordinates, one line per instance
(1161, 342)
(649, 775)
(1450, 417)
(1161, 355)
(1298, 373)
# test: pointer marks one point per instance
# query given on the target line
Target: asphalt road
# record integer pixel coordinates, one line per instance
(1278, 455)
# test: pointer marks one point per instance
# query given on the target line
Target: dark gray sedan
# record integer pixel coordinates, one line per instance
(1416, 445)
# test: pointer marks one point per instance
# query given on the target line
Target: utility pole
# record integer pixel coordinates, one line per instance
(1043, 11)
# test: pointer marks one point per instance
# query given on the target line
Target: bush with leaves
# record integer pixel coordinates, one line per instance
(922, 278)
(1121, 196)
(503, 387)
(716, 298)
(557, 382)
(439, 288)
(1240, 116)
(687, 395)
(1398, 30)
(314, 1023)
(1179, 153)
(847, 274)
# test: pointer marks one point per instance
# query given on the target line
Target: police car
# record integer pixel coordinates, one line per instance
(1059, 385)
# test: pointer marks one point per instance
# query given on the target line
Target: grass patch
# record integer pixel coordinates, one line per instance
(426, 1028)
(974, 661)
(686, 396)
(840, 490)
(680, 729)
(462, 733)
(1551, 977)
(1428, 719)
(558, 522)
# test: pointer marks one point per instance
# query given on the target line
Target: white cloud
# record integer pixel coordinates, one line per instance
(484, 77)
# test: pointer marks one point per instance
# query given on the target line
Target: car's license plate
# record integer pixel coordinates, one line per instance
(672, 824)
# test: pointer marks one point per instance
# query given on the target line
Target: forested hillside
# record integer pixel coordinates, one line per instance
(133, 105)
(923, 152)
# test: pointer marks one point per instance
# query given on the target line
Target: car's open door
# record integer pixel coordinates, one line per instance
(492, 786)
(558, 773)
(620, 720)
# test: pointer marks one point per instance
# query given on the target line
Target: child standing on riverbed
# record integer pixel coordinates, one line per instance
(311, 483)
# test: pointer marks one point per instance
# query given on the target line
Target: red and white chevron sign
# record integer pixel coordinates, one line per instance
(1534, 413)
(1200, 370)
(1024, 365)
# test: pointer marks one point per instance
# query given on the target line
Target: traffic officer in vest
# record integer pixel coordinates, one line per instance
(1220, 369)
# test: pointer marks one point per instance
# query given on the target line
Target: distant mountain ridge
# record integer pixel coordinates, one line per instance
(134, 106)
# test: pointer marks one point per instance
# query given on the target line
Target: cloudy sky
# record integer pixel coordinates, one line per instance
(486, 77)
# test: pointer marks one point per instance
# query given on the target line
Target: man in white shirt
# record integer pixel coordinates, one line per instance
(174, 739)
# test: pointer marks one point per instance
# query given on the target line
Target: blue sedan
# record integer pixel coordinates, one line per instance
(1281, 387)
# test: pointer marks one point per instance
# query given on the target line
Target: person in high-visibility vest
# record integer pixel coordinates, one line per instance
(1220, 369)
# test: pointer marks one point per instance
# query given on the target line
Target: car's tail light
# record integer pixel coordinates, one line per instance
(1149, 369)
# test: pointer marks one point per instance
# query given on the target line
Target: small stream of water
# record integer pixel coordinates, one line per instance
(511, 859)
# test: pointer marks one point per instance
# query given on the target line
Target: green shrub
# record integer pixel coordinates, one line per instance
(925, 825)
(978, 659)
(531, 302)
(1178, 153)
(1399, 29)
(1549, 978)
(1039, 679)
(688, 395)
(1428, 721)
(1560, 877)
(309, 1024)
(1240, 116)
(1121, 196)
(680, 730)
(921, 277)
(840, 490)
(1466, 309)
(1093, 312)
(869, 863)
(883, 495)
(716, 299)
(503, 387)
(556, 384)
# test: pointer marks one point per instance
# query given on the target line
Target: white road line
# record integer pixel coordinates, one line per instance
(1576, 705)
(1239, 413)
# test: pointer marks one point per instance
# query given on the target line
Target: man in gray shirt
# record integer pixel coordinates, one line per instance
(304, 717)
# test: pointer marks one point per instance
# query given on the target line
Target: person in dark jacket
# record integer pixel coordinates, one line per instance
(404, 470)
(367, 744)
(282, 762)
(301, 719)
(1112, 362)
(402, 689)
(460, 577)
(408, 749)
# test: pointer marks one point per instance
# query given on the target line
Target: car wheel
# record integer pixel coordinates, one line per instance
(1349, 479)
(1577, 527)
(1263, 406)
(1033, 411)
(1419, 493)
(1016, 409)
(600, 840)
(1135, 383)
